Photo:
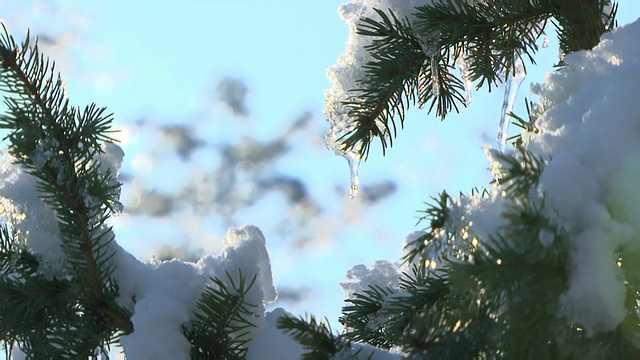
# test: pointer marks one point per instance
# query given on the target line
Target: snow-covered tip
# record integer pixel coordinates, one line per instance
(348, 73)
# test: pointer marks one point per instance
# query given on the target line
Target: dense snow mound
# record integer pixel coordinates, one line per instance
(590, 135)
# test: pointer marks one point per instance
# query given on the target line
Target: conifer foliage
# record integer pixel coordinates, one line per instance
(414, 60)
(74, 315)
(492, 274)
(60, 296)
(471, 289)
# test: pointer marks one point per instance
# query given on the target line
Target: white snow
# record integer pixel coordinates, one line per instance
(360, 278)
(161, 295)
(166, 293)
(270, 343)
(34, 220)
(589, 131)
(590, 139)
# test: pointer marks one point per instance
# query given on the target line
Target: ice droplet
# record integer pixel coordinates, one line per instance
(353, 158)
(512, 84)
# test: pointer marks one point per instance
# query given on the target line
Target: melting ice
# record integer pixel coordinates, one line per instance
(466, 79)
(512, 84)
(353, 158)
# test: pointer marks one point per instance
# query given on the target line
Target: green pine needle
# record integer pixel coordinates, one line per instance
(223, 321)
(315, 336)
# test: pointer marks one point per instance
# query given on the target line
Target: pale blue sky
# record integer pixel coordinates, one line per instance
(160, 60)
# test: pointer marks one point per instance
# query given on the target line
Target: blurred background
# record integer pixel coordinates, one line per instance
(219, 107)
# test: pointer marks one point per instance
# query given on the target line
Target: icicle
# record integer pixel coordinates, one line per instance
(435, 77)
(468, 84)
(512, 84)
(353, 158)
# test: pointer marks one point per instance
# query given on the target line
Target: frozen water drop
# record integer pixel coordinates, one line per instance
(513, 82)
(353, 158)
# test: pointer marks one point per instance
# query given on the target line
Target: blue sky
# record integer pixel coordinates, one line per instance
(159, 61)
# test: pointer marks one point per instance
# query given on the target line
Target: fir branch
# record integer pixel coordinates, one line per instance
(528, 125)
(59, 145)
(427, 317)
(518, 172)
(222, 325)
(489, 35)
(441, 318)
(315, 336)
(364, 319)
(399, 75)
(437, 214)
(412, 62)
(580, 23)
(519, 273)
(524, 280)
(41, 314)
(622, 341)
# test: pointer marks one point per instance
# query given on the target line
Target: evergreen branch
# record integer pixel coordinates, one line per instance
(399, 75)
(221, 328)
(489, 35)
(412, 62)
(622, 341)
(365, 319)
(481, 297)
(518, 273)
(437, 214)
(441, 317)
(315, 336)
(580, 23)
(508, 270)
(528, 125)
(58, 145)
(41, 314)
(517, 172)
(429, 317)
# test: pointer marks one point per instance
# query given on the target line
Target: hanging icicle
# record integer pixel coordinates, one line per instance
(353, 158)
(435, 76)
(466, 79)
(512, 84)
